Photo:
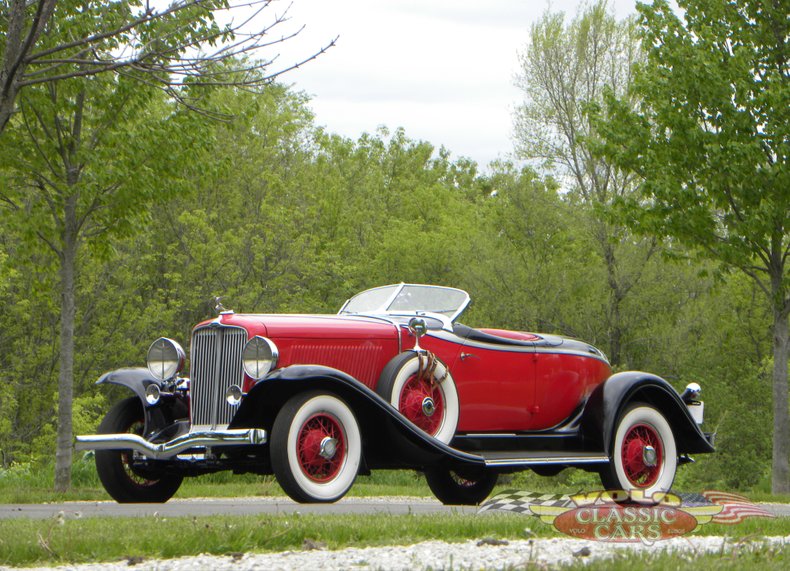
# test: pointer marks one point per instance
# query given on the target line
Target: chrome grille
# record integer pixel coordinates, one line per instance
(215, 365)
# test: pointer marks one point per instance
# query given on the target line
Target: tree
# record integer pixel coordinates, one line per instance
(566, 68)
(43, 41)
(711, 141)
(72, 74)
(71, 188)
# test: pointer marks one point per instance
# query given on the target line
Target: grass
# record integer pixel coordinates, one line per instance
(59, 541)
(90, 540)
(27, 484)
(26, 542)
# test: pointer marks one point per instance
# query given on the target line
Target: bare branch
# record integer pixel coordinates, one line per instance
(175, 45)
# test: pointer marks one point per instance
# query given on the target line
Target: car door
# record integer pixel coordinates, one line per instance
(496, 387)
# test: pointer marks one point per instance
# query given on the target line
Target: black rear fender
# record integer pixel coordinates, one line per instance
(606, 404)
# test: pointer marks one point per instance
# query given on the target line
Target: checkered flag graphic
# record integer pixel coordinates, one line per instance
(517, 501)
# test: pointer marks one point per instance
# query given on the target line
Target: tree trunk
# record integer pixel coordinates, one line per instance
(780, 472)
(63, 455)
(11, 64)
(615, 297)
(23, 29)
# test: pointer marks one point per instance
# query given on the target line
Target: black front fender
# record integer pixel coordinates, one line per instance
(136, 379)
(158, 417)
(606, 404)
(405, 444)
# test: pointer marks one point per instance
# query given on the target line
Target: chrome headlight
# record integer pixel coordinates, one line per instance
(259, 357)
(165, 359)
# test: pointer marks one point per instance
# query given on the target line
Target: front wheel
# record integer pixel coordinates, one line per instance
(316, 448)
(643, 457)
(123, 480)
(454, 488)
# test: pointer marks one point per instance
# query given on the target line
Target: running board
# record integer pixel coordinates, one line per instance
(532, 458)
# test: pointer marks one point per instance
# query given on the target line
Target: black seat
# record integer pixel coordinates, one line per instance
(466, 332)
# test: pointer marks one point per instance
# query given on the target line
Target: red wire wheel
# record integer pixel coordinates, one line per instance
(429, 400)
(643, 455)
(636, 440)
(412, 399)
(315, 447)
(319, 432)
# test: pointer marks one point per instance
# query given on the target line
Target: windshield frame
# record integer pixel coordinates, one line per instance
(384, 307)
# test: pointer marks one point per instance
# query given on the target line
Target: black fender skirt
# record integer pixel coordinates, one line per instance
(609, 399)
(389, 440)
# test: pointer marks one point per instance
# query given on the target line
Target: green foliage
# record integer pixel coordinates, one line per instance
(566, 68)
(711, 139)
(276, 215)
(711, 142)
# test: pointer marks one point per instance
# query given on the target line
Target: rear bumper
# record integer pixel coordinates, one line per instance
(164, 450)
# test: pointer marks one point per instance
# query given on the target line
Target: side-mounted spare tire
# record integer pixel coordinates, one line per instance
(123, 480)
(421, 388)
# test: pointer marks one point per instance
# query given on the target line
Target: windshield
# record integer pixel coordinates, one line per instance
(409, 298)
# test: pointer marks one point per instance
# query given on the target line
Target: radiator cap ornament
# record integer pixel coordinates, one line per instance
(219, 308)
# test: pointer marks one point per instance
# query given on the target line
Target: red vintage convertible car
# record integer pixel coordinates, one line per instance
(392, 381)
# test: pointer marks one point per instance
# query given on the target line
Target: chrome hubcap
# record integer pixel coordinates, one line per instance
(428, 406)
(649, 456)
(328, 448)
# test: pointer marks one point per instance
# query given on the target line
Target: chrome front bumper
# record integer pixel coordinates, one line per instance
(164, 450)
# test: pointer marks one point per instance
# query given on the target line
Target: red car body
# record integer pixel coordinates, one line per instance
(519, 389)
(393, 381)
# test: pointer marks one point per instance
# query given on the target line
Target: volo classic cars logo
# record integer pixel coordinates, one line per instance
(617, 516)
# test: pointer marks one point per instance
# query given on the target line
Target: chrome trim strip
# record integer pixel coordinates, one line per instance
(453, 338)
(164, 450)
(547, 461)
(218, 335)
(386, 320)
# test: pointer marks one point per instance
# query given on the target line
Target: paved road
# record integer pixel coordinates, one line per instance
(250, 506)
(225, 506)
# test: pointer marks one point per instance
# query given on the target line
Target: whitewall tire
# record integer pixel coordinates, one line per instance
(643, 458)
(430, 403)
(316, 447)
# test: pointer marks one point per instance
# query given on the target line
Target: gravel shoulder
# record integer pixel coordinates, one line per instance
(470, 555)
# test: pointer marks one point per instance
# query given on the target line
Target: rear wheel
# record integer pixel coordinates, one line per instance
(124, 481)
(643, 457)
(316, 447)
(421, 389)
(460, 488)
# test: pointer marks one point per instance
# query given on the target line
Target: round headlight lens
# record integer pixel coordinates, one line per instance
(165, 359)
(259, 357)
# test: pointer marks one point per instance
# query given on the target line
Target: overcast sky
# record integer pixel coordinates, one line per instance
(442, 70)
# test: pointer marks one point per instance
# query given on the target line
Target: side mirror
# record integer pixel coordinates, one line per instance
(418, 328)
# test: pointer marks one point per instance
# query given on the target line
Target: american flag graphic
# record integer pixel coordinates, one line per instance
(735, 508)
